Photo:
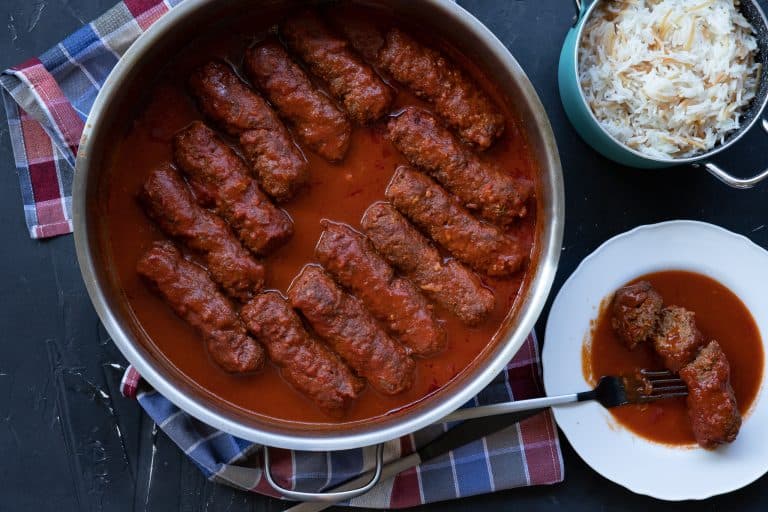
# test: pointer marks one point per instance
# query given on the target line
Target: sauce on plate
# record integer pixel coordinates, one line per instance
(720, 315)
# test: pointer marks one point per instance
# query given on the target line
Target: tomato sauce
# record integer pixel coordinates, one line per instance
(720, 315)
(340, 192)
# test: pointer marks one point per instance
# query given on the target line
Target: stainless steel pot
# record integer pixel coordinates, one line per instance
(165, 38)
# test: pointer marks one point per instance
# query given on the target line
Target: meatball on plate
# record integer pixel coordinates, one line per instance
(682, 295)
(635, 312)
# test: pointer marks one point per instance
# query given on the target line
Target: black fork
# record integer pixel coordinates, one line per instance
(611, 391)
(648, 386)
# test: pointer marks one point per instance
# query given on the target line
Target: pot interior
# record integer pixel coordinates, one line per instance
(115, 110)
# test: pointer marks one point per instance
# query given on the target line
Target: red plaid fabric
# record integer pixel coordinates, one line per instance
(47, 100)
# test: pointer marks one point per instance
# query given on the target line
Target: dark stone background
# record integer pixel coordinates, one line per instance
(68, 441)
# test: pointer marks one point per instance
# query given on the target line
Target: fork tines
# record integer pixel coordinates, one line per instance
(663, 384)
(655, 373)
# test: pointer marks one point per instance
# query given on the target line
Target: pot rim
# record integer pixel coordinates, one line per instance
(549, 239)
(586, 9)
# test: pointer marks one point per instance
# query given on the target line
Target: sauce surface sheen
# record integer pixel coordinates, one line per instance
(340, 192)
(720, 315)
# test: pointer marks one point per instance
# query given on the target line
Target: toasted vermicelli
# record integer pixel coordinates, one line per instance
(669, 78)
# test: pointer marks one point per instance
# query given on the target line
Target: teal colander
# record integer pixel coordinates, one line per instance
(587, 125)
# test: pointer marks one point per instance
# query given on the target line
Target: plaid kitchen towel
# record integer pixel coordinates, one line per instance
(47, 100)
(527, 453)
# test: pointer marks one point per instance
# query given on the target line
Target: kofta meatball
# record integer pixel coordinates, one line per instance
(306, 363)
(168, 201)
(393, 300)
(636, 308)
(483, 246)
(350, 80)
(485, 189)
(207, 160)
(677, 339)
(189, 290)
(712, 408)
(445, 281)
(315, 119)
(346, 326)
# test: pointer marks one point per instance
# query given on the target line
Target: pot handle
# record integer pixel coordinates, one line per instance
(733, 181)
(581, 6)
(331, 497)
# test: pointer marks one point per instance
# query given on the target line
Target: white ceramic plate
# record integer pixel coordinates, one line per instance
(644, 467)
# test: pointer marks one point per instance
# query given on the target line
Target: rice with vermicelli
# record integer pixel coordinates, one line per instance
(669, 78)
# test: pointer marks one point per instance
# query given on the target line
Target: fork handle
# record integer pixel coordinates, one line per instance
(516, 406)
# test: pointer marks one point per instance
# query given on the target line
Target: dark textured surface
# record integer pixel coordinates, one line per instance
(69, 442)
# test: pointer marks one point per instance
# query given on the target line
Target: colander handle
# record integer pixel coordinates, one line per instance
(331, 497)
(581, 6)
(733, 181)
